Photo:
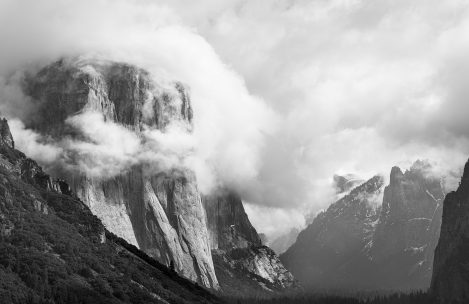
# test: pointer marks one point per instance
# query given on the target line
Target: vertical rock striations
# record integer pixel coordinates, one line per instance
(450, 281)
(161, 213)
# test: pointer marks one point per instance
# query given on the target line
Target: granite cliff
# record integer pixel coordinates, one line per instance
(160, 211)
(243, 265)
(450, 280)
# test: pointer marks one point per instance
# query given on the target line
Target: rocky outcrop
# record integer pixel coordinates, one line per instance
(228, 224)
(160, 212)
(242, 264)
(357, 244)
(409, 227)
(450, 281)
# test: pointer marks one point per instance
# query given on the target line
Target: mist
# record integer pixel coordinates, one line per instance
(285, 93)
(229, 122)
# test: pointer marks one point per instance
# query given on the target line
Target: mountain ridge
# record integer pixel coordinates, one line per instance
(393, 248)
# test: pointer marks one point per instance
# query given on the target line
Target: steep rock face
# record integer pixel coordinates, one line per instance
(356, 246)
(327, 252)
(117, 90)
(408, 229)
(54, 250)
(228, 224)
(242, 264)
(450, 281)
(161, 213)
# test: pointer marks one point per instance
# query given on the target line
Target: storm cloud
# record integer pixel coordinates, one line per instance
(286, 93)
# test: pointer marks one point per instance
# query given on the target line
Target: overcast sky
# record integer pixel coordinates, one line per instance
(297, 90)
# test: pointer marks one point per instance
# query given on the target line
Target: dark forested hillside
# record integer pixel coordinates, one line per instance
(54, 250)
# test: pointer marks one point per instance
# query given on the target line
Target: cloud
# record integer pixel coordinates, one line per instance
(288, 219)
(360, 86)
(286, 93)
(229, 122)
(391, 70)
(33, 144)
(106, 150)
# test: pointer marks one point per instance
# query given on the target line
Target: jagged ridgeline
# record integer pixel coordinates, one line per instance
(161, 212)
(361, 244)
(54, 250)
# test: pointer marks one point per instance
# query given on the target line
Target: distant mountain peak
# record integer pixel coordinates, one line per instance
(361, 243)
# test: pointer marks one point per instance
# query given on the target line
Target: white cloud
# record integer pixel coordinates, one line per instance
(229, 122)
(285, 92)
(32, 144)
(279, 220)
